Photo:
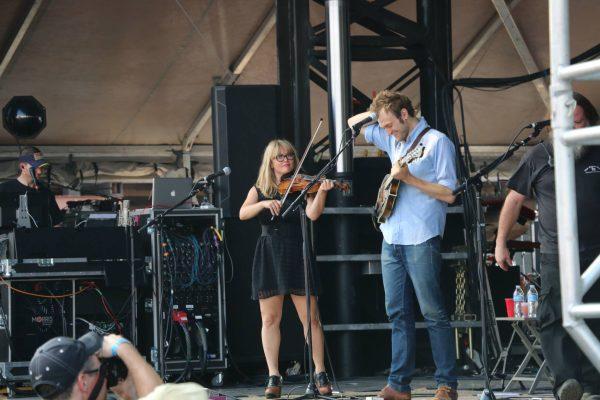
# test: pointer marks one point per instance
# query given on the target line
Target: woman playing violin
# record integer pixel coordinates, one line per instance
(278, 262)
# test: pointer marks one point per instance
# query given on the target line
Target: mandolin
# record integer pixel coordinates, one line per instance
(388, 191)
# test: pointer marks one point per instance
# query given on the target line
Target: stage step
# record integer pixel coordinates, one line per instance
(387, 326)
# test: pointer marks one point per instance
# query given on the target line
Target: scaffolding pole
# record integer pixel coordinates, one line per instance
(573, 285)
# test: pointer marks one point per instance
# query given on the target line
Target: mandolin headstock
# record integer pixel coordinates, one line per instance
(413, 155)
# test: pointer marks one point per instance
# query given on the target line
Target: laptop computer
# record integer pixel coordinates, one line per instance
(166, 192)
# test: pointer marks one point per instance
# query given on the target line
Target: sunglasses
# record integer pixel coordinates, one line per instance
(281, 157)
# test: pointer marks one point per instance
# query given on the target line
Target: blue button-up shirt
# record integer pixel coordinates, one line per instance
(417, 216)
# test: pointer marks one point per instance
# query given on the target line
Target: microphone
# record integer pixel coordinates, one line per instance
(36, 184)
(539, 124)
(371, 118)
(209, 178)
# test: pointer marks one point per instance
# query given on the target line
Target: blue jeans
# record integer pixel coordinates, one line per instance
(416, 269)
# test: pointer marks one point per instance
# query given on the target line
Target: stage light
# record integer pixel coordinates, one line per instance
(24, 117)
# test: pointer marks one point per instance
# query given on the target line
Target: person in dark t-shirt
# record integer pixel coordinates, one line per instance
(43, 210)
(534, 178)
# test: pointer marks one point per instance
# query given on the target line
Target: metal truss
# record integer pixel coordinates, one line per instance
(573, 285)
(397, 38)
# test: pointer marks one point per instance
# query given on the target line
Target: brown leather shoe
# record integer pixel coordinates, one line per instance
(273, 390)
(387, 393)
(446, 393)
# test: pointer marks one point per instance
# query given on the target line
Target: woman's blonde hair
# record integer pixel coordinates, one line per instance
(266, 177)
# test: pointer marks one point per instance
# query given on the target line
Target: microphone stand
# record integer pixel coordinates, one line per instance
(300, 202)
(475, 182)
(158, 219)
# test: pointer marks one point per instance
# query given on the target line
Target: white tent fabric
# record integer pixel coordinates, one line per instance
(131, 72)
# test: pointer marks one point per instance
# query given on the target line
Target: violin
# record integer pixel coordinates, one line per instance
(301, 181)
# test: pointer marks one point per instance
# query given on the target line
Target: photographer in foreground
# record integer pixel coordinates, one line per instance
(65, 368)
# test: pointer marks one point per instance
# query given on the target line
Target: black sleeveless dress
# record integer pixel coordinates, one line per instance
(278, 267)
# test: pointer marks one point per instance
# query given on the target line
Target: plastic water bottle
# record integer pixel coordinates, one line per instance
(518, 298)
(532, 301)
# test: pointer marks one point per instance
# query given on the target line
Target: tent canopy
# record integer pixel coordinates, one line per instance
(139, 73)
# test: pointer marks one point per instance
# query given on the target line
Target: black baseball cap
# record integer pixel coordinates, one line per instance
(56, 364)
(34, 159)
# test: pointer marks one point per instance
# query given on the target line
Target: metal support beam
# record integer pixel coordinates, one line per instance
(356, 94)
(398, 81)
(231, 76)
(10, 53)
(159, 153)
(588, 70)
(293, 54)
(373, 54)
(337, 17)
(356, 16)
(589, 136)
(367, 14)
(522, 49)
(321, 68)
(369, 41)
(590, 276)
(435, 18)
(186, 163)
(255, 42)
(572, 284)
(392, 22)
(481, 39)
(338, 78)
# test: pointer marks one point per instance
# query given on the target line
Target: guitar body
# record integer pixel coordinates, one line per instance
(386, 198)
(388, 191)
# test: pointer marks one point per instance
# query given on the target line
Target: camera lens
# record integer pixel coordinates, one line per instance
(115, 371)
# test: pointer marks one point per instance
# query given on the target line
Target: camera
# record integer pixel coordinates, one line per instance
(116, 370)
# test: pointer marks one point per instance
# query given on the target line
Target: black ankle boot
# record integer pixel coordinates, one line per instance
(273, 390)
(323, 383)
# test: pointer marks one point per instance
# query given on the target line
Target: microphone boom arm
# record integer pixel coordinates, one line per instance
(476, 179)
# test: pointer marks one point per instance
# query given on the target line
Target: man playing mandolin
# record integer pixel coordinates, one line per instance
(410, 253)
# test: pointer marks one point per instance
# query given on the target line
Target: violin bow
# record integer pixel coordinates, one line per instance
(302, 161)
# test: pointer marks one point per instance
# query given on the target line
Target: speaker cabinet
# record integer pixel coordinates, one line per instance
(245, 119)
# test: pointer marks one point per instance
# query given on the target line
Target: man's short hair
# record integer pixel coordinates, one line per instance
(392, 102)
(55, 365)
(590, 112)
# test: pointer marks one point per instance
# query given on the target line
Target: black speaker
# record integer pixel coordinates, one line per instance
(244, 120)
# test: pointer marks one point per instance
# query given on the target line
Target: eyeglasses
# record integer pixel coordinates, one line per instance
(281, 157)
